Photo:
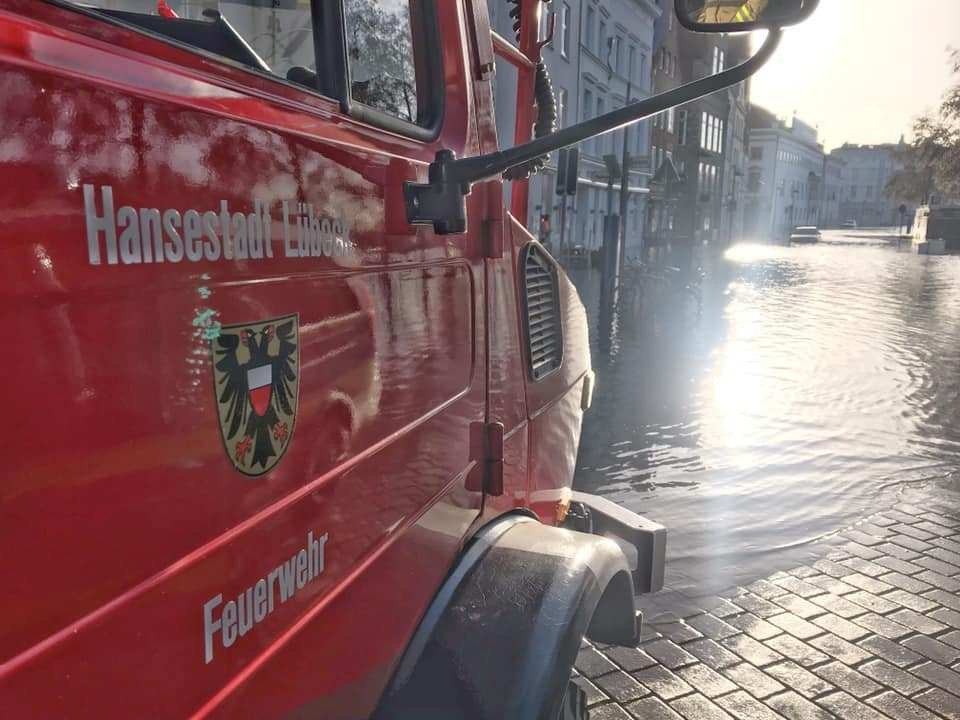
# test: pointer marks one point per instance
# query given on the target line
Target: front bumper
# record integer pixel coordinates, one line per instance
(644, 542)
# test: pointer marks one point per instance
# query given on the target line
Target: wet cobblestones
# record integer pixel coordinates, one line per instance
(869, 631)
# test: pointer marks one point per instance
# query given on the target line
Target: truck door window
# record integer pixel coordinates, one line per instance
(275, 37)
(381, 58)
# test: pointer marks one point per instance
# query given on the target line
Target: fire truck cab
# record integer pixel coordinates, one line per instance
(286, 435)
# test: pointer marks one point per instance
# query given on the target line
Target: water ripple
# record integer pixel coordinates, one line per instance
(802, 393)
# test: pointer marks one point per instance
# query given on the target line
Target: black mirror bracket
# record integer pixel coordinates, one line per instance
(442, 201)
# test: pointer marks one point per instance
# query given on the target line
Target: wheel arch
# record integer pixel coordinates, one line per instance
(501, 635)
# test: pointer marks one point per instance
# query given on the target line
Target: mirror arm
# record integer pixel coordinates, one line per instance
(441, 202)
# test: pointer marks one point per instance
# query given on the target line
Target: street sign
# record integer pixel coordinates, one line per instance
(613, 166)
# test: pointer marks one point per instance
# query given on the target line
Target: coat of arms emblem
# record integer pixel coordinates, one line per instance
(256, 372)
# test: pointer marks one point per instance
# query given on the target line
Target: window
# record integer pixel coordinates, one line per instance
(274, 40)
(562, 107)
(670, 116)
(565, 29)
(544, 27)
(380, 57)
(711, 132)
(588, 27)
(602, 38)
(632, 60)
(618, 56)
(718, 59)
(587, 104)
(278, 38)
(682, 127)
(756, 153)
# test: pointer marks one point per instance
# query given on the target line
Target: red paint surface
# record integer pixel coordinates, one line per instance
(119, 509)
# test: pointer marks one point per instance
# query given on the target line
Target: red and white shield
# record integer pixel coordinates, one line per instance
(259, 386)
(256, 377)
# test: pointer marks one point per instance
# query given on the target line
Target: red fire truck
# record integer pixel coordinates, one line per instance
(293, 399)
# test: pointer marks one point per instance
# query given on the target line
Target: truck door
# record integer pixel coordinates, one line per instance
(252, 358)
(539, 359)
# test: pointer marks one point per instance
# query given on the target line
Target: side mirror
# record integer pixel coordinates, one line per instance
(741, 15)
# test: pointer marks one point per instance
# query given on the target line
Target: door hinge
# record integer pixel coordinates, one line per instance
(486, 448)
(492, 229)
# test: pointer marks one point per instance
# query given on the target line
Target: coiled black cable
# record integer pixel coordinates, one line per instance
(546, 121)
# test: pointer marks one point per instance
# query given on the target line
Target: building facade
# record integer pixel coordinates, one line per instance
(599, 56)
(867, 169)
(834, 170)
(711, 141)
(785, 176)
(666, 186)
(617, 35)
(735, 158)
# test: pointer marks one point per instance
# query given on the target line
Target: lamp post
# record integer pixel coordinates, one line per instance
(612, 230)
(793, 208)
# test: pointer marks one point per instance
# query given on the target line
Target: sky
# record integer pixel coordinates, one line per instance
(861, 70)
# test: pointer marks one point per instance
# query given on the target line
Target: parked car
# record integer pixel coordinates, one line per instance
(579, 257)
(805, 234)
(850, 223)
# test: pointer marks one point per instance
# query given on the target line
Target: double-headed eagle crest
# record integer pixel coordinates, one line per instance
(256, 371)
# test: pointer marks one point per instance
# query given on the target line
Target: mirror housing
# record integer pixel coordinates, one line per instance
(726, 16)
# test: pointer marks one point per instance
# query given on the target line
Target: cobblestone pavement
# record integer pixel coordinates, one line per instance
(871, 630)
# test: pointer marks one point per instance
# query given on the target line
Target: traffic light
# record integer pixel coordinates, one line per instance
(568, 166)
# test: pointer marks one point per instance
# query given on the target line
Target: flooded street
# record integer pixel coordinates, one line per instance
(786, 395)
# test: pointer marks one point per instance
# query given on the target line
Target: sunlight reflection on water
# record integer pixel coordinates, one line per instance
(804, 390)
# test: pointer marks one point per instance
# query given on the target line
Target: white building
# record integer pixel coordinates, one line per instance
(784, 175)
(867, 169)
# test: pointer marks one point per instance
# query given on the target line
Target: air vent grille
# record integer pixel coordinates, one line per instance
(542, 304)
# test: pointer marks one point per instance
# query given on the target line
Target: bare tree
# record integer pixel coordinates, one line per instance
(932, 161)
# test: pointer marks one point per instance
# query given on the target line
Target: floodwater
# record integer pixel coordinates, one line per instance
(776, 400)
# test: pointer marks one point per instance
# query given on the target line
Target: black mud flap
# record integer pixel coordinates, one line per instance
(644, 542)
(499, 640)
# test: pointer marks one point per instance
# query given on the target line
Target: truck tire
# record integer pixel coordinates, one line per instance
(574, 703)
